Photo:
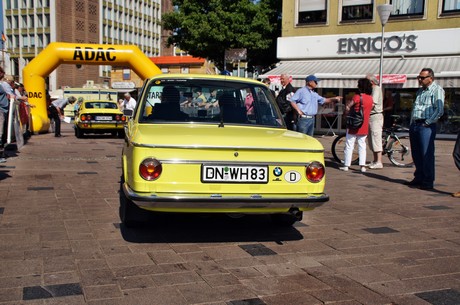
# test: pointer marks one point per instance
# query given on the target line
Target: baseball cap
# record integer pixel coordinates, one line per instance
(312, 78)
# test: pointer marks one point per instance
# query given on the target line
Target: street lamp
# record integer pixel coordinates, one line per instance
(384, 11)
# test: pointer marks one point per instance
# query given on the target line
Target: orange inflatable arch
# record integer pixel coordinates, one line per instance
(57, 53)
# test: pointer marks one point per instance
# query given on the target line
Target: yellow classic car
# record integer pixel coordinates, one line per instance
(98, 117)
(234, 156)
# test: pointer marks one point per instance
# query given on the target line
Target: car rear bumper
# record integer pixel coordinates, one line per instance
(225, 203)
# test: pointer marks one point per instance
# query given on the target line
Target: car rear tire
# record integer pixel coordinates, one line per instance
(285, 220)
(131, 215)
(78, 132)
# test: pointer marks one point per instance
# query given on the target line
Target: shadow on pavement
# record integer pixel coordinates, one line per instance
(212, 228)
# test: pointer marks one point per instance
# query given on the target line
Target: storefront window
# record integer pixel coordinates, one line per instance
(451, 6)
(353, 10)
(407, 8)
(312, 11)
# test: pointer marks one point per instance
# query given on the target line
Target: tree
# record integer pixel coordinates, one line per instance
(207, 28)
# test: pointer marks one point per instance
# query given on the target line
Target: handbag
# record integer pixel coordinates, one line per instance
(355, 118)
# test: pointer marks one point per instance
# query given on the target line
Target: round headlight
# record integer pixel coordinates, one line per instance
(315, 172)
(150, 169)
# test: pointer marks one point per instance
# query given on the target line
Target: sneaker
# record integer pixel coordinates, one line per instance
(344, 168)
(370, 164)
(363, 169)
(376, 166)
(2, 160)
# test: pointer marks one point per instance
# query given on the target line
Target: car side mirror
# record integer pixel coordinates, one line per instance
(128, 112)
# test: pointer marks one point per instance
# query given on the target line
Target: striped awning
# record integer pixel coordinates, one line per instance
(343, 73)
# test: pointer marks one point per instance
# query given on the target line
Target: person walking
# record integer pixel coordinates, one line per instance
(284, 100)
(305, 103)
(376, 124)
(456, 155)
(428, 107)
(363, 97)
(56, 112)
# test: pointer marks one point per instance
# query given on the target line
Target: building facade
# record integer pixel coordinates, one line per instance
(30, 25)
(340, 42)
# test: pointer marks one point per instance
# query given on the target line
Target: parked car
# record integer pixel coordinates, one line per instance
(99, 117)
(234, 157)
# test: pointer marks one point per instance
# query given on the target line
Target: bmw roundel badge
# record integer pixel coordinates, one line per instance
(277, 171)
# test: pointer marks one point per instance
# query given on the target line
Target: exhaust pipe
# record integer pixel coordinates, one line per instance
(296, 213)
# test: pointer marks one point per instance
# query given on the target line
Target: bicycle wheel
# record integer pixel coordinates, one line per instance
(338, 147)
(399, 152)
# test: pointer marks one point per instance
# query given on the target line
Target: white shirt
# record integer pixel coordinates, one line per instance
(130, 104)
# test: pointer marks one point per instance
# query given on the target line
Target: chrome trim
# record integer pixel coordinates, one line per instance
(151, 200)
(248, 163)
(227, 147)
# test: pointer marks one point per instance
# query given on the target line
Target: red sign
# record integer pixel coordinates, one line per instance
(393, 78)
(275, 79)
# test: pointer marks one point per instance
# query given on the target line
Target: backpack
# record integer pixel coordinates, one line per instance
(355, 119)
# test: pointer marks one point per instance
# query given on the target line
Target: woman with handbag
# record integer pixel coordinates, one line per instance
(357, 112)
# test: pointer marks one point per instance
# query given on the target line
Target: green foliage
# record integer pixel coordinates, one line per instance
(208, 28)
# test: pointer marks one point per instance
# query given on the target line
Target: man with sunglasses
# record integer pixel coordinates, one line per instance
(305, 103)
(428, 107)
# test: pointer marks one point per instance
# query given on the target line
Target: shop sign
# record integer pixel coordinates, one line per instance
(373, 44)
(123, 85)
(393, 78)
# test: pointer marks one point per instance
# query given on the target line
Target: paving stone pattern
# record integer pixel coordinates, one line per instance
(376, 241)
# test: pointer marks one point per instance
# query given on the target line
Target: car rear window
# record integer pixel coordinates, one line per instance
(101, 105)
(208, 101)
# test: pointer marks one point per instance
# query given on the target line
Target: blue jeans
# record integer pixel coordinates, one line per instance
(422, 146)
(306, 125)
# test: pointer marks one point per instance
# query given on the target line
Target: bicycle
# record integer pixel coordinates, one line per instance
(397, 148)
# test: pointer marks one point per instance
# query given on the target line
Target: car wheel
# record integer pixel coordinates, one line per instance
(78, 132)
(285, 220)
(130, 214)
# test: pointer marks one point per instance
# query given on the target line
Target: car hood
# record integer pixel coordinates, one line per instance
(212, 136)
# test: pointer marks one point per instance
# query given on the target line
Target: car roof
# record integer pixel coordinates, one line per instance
(206, 76)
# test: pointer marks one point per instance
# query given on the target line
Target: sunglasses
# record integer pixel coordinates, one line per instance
(423, 77)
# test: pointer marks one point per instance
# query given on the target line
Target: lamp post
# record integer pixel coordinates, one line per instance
(384, 11)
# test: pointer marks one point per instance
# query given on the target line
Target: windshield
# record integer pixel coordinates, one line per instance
(208, 101)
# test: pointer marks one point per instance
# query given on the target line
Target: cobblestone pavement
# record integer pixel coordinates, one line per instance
(376, 241)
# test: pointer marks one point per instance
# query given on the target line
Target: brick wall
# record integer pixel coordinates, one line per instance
(77, 21)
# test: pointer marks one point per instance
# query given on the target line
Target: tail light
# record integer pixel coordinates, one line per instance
(123, 118)
(150, 169)
(117, 117)
(315, 172)
(86, 117)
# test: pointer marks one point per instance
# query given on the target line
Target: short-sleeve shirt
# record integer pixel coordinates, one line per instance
(378, 100)
(367, 107)
(307, 100)
(429, 104)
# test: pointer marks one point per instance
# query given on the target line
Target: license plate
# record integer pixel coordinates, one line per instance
(234, 174)
(103, 118)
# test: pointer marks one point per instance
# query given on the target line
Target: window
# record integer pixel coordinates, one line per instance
(407, 8)
(312, 11)
(451, 6)
(353, 10)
